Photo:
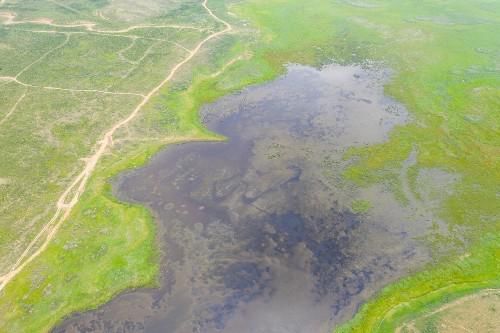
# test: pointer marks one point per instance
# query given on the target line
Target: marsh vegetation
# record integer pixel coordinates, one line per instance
(70, 70)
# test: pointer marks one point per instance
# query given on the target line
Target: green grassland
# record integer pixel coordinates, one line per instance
(41, 143)
(63, 12)
(85, 62)
(45, 132)
(95, 62)
(19, 49)
(113, 13)
(445, 57)
(9, 95)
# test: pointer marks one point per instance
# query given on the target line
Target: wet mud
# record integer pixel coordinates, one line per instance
(256, 232)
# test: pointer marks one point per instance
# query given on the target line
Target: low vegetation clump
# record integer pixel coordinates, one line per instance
(361, 206)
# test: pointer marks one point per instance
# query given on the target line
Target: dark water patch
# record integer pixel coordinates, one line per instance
(257, 233)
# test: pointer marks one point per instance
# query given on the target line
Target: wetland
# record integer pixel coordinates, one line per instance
(259, 233)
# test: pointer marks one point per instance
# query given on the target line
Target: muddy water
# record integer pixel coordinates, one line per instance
(256, 232)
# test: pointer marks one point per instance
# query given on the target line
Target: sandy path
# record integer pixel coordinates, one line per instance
(229, 64)
(13, 109)
(106, 34)
(86, 90)
(89, 26)
(146, 53)
(14, 79)
(72, 194)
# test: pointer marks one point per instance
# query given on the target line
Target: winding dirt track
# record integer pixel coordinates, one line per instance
(72, 194)
(89, 26)
(14, 79)
(13, 109)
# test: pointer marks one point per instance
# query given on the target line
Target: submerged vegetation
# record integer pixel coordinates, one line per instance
(361, 206)
(445, 57)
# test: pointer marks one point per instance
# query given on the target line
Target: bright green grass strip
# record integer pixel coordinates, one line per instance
(112, 241)
(413, 296)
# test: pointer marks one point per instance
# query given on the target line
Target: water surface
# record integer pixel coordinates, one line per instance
(256, 233)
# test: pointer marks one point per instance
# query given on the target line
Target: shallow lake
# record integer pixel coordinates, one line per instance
(257, 234)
